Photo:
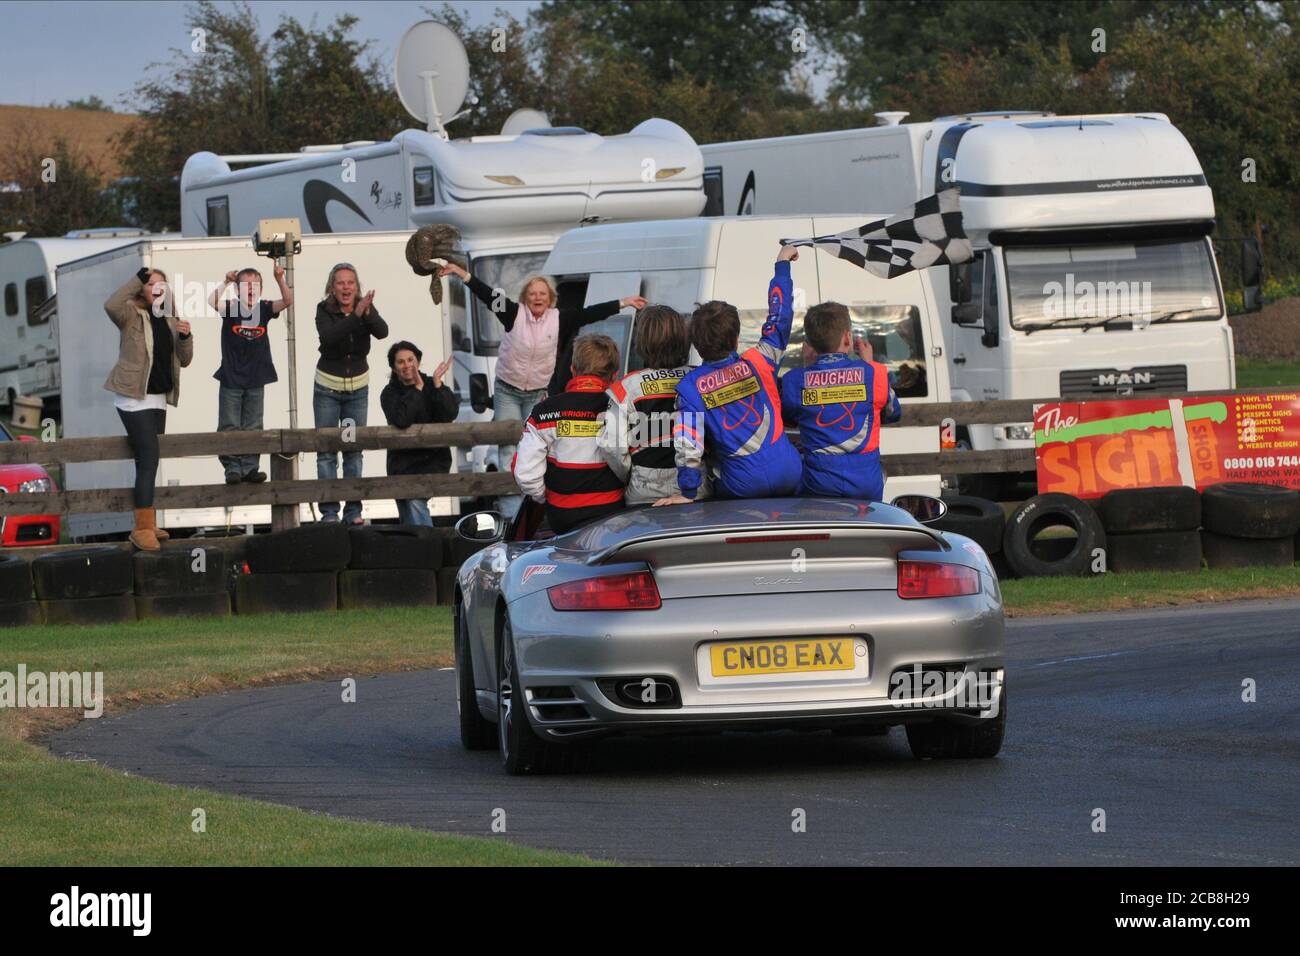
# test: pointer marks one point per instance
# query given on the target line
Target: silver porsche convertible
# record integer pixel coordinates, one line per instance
(804, 613)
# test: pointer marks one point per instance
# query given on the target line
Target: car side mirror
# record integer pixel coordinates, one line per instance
(923, 508)
(482, 526)
(480, 398)
(968, 313)
(1252, 262)
(959, 290)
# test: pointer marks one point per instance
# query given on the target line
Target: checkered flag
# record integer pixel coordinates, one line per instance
(928, 234)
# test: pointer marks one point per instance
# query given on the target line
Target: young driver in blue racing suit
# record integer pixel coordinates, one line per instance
(839, 403)
(730, 407)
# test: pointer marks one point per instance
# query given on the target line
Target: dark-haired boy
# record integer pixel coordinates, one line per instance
(246, 368)
(839, 401)
(730, 407)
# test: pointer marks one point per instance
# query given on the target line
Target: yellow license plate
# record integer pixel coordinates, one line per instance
(745, 658)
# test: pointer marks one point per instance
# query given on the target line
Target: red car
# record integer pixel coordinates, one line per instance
(24, 530)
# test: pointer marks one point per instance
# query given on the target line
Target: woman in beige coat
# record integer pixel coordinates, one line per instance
(153, 349)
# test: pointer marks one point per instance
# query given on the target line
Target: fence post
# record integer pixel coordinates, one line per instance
(284, 468)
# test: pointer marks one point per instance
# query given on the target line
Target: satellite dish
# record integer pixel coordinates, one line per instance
(524, 119)
(432, 74)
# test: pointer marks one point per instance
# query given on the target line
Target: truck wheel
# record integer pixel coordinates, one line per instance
(946, 740)
(275, 593)
(171, 572)
(20, 614)
(15, 580)
(311, 548)
(476, 732)
(113, 609)
(1130, 510)
(522, 751)
(83, 573)
(1154, 551)
(979, 519)
(210, 604)
(1222, 551)
(1243, 510)
(1045, 511)
(390, 547)
(395, 587)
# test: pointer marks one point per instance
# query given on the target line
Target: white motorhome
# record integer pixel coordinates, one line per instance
(683, 263)
(1094, 276)
(29, 340)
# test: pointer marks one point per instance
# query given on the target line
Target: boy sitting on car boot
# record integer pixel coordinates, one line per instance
(839, 403)
(559, 459)
(730, 407)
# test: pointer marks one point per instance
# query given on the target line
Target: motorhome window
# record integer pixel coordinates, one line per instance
(36, 292)
(11, 298)
(1170, 280)
(219, 216)
(713, 192)
(423, 187)
(506, 273)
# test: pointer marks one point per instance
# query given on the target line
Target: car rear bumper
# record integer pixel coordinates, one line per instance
(571, 680)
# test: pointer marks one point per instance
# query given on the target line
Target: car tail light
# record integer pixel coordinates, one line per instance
(613, 592)
(931, 579)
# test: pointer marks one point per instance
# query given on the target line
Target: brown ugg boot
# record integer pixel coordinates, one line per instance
(160, 533)
(144, 536)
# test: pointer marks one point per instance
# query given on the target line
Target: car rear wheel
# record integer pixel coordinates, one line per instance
(522, 751)
(946, 740)
(476, 732)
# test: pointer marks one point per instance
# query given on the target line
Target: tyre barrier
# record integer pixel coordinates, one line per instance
(1241, 510)
(1029, 556)
(288, 592)
(20, 613)
(459, 550)
(83, 573)
(110, 609)
(1134, 510)
(389, 587)
(446, 585)
(311, 548)
(395, 547)
(177, 572)
(208, 604)
(15, 580)
(1226, 551)
(979, 519)
(1154, 551)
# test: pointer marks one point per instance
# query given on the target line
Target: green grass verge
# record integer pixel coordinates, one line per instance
(1267, 374)
(55, 812)
(1146, 589)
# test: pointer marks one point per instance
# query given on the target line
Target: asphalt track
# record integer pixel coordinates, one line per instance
(1136, 713)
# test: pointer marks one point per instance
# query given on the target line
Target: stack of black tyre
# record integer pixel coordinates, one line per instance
(1247, 525)
(85, 586)
(979, 519)
(17, 603)
(294, 570)
(1029, 553)
(392, 565)
(182, 580)
(456, 551)
(1152, 529)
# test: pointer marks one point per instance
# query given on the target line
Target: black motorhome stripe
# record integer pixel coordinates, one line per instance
(316, 195)
(1081, 186)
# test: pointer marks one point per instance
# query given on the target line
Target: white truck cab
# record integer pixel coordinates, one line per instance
(685, 262)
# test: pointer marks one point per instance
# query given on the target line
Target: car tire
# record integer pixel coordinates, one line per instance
(20, 613)
(111, 609)
(395, 587)
(522, 751)
(979, 519)
(313, 548)
(1049, 558)
(1240, 509)
(476, 731)
(1132, 510)
(1154, 551)
(395, 547)
(210, 604)
(1222, 551)
(949, 740)
(83, 573)
(170, 573)
(291, 593)
(15, 580)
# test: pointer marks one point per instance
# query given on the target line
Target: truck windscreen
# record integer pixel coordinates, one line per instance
(507, 273)
(1079, 286)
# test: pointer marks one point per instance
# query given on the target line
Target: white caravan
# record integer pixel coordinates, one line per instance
(29, 340)
(686, 262)
(1094, 277)
(90, 345)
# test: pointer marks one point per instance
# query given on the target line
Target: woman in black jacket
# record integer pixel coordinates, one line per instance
(413, 398)
(346, 321)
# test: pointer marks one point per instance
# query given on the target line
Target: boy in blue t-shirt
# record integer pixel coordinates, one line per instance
(839, 403)
(246, 366)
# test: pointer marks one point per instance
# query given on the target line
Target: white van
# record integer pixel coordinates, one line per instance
(685, 262)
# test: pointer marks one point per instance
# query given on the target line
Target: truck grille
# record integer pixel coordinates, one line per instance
(1122, 383)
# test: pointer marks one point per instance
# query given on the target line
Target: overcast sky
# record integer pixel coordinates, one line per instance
(53, 51)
